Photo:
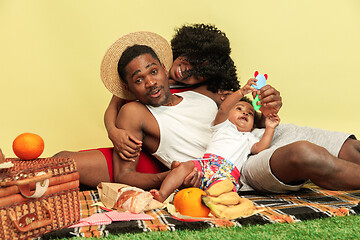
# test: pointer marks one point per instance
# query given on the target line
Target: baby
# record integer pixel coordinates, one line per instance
(229, 147)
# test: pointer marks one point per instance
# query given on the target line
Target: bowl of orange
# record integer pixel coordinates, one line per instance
(28, 146)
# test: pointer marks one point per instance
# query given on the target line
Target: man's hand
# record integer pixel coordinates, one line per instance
(127, 146)
(192, 180)
(270, 100)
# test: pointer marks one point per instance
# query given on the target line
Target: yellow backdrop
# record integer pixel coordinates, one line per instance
(50, 53)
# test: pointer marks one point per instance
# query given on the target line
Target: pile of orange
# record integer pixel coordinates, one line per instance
(28, 146)
(188, 202)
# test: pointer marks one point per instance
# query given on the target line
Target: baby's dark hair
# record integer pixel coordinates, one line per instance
(208, 51)
(257, 114)
(246, 99)
(129, 54)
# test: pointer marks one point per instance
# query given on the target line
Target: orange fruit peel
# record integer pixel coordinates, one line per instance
(188, 202)
(28, 146)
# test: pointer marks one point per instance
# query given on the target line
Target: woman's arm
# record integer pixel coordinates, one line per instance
(124, 143)
(111, 113)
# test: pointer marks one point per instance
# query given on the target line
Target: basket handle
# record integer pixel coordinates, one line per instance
(42, 184)
(30, 224)
(26, 181)
(40, 176)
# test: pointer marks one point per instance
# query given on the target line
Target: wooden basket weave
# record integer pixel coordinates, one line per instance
(22, 217)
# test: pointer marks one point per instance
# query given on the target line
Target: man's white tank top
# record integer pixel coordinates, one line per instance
(184, 128)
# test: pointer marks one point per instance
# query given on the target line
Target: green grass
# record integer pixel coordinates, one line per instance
(329, 228)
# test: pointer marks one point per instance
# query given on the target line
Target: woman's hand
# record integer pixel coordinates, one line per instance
(127, 146)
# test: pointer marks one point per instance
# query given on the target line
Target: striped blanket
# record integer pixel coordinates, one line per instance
(311, 202)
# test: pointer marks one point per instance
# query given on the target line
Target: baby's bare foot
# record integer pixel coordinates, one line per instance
(156, 195)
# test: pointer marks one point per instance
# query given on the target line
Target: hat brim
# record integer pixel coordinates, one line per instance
(109, 65)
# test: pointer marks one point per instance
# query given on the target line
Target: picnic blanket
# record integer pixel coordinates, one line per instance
(311, 202)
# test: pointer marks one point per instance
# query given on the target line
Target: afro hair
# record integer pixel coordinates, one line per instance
(208, 50)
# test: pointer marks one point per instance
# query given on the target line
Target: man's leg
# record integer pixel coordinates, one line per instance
(91, 165)
(300, 161)
(350, 151)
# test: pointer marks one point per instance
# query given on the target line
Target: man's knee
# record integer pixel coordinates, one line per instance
(305, 154)
(350, 150)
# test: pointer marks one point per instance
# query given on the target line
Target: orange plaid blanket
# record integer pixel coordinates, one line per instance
(309, 203)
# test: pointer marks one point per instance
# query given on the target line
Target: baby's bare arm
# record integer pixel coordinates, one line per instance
(271, 122)
(232, 99)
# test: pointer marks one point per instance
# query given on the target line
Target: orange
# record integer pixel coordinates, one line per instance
(188, 202)
(28, 146)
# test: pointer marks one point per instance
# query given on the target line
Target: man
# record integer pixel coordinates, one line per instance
(146, 78)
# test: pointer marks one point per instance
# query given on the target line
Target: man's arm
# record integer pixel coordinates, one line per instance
(133, 117)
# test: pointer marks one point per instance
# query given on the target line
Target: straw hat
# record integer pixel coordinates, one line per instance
(109, 64)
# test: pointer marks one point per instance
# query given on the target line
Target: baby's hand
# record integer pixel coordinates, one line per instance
(272, 120)
(247, 88)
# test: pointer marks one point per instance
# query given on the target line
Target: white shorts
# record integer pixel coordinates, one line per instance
(256, 173)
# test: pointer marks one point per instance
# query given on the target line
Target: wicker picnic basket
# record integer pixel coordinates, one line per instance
(38, 196)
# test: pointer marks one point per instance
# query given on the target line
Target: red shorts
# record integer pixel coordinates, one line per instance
(147, 163)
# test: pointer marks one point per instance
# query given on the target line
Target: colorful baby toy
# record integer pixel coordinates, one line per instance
(261, 82)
